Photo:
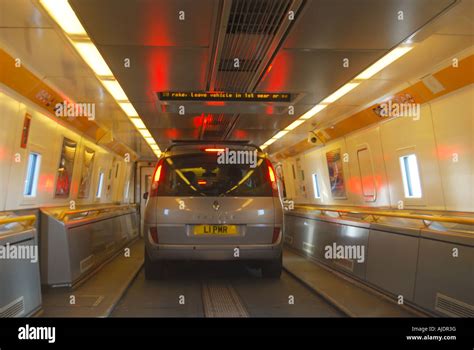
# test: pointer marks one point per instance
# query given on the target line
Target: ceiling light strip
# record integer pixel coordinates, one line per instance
(115, 89)
(93, 58)
(65, 17)
(345, 89)
(385, 61)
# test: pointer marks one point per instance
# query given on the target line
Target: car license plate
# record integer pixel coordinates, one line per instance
(215, 230)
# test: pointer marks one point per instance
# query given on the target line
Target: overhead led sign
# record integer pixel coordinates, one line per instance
(224, 96)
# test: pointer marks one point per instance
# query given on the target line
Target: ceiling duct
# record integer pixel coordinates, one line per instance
(250, 34)
(216, 127)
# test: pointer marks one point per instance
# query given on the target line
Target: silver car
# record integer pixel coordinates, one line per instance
(216, 201)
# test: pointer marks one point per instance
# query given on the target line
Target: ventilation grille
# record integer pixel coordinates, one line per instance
(250, 17)
(251, 30)
(453, 307)
(86, 263)
(216, 127)
(15, 309)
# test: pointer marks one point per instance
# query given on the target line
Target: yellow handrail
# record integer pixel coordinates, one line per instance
(430, 218)
(97, 209)
(30, 219)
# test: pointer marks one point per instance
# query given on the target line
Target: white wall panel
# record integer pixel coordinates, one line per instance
(302, 194)
(453, 120)
(290, 183)
(46, 137)
(369, 139)
(8, 126)
(445, 130)
(405, 135)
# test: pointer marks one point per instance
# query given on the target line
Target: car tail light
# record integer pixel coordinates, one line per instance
(271, 173)
(276, 234)
(157, 176)
(154, 234)
(272, 177)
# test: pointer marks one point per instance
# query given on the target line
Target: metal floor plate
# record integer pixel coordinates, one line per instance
(221, 300)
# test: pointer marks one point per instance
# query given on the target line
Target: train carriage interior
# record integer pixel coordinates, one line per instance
(237, 159)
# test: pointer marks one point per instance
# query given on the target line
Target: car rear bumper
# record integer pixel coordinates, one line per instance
(213, 252)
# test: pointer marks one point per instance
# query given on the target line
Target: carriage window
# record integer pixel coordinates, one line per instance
(32, 174)
(117, 169)
(127, 188)
(317, 194)
(100, 184)
(410, 176)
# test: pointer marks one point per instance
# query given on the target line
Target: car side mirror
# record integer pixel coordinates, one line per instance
(145, 195)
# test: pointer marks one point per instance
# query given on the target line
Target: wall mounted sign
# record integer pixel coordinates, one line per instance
(336, 175)
(25, 131)
(86, 173)
(65, 168)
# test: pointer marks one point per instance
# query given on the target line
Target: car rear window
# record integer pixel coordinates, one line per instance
(200, 174)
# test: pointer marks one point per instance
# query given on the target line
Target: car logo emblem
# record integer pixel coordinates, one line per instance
(216, 205)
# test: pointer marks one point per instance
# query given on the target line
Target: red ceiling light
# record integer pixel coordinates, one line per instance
(240, 134)
(172, 133)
